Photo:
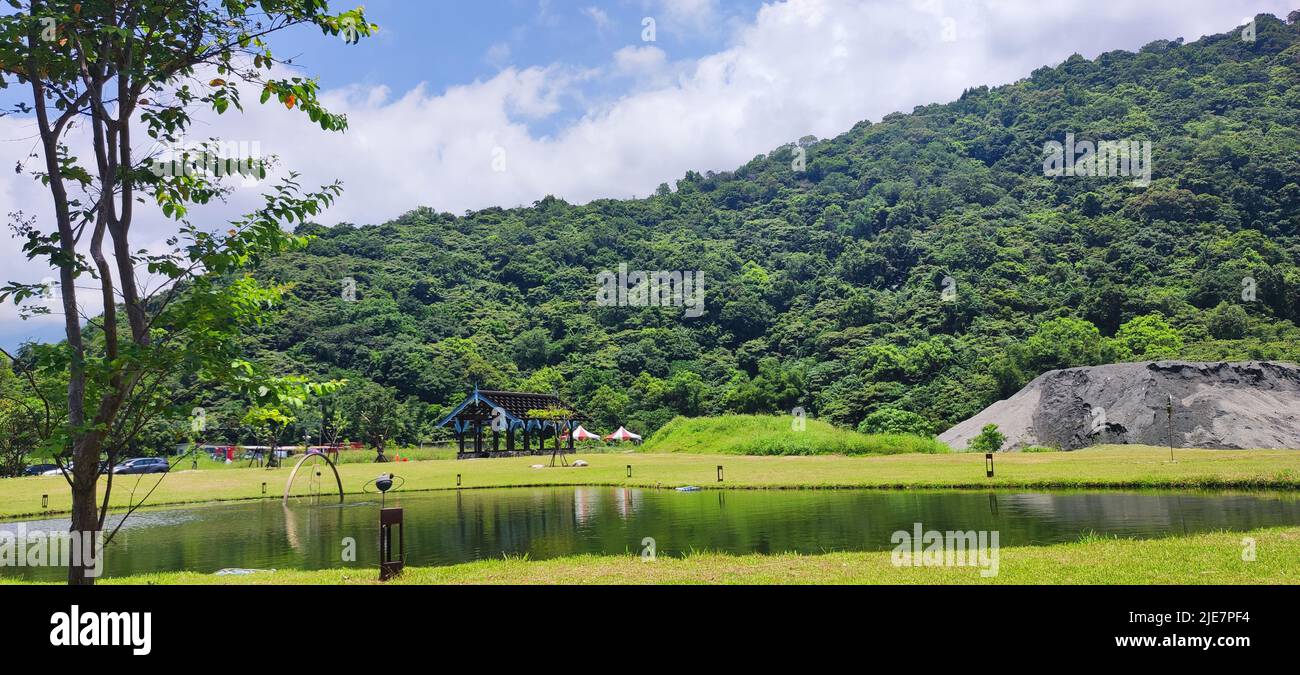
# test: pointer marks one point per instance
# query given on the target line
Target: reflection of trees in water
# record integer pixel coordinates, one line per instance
(455, 526)
(1150, 513)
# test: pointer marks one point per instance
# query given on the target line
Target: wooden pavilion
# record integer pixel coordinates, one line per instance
(538, 417)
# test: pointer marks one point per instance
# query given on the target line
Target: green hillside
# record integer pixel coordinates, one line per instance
(922, 262)
(774, 435)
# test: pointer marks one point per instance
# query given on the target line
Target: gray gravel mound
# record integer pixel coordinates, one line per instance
(1255, 404)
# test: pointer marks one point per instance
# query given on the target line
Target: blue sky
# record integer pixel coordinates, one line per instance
(459, 105)
(442, 43)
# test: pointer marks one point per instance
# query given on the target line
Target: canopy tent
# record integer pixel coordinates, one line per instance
(622, 435)
(581, 434)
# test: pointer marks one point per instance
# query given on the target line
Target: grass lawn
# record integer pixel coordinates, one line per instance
(1125, 466)
(775, 435)
(1214, 558)
(365, 456)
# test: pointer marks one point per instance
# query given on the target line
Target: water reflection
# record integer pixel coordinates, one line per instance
(456, 526)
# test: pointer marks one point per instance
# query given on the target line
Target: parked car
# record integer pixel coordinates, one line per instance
(143, 465)
(53, 469)
(40, 469)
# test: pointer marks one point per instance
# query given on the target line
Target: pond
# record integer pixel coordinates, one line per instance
(448, 527)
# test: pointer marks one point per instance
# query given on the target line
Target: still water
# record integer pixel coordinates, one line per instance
(448, 527)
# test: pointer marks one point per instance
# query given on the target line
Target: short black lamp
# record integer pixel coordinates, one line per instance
(988, 464)
(719, 473)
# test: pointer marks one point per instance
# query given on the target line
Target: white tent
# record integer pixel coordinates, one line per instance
(622, 435)
(581, 434)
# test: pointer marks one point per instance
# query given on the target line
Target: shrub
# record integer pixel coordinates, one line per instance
(896, 421)
(989, 440)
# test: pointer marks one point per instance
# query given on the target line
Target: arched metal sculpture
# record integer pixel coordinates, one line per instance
(312, 453)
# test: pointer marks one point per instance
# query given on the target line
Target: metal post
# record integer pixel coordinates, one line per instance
(390, 563)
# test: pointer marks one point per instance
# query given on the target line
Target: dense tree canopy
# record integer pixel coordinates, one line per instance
(922, 263)
(825, 289)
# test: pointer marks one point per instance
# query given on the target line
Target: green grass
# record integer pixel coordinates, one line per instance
(366, 456)
(1116, 466)
(1213, 558)
(776, 435)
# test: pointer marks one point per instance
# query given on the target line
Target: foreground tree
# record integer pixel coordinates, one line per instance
(373, 413)
(268, 424)
(20, 421)
(116, 68)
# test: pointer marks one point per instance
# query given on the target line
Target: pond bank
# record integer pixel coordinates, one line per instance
(1213, 558)
(1127, 467)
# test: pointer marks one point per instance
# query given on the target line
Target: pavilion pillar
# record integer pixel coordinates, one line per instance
(460, 440)
(510, 439)
(478, 437)
(570, 437)
(496, 440)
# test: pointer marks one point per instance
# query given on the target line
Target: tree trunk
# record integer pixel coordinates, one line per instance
(85, 512)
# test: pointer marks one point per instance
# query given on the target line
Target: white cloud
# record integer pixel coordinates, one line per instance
(598, 16)
(694, 14)
(797, 67)
(498, 54)
(635, 60)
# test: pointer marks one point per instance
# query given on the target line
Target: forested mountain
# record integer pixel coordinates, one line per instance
(923, 262)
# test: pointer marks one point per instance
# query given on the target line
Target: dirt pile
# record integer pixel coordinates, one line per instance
(1255, 404)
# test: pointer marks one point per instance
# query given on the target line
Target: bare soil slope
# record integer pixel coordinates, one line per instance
(1254, 404)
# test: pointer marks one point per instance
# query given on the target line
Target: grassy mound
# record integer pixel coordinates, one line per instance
(773, 435)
